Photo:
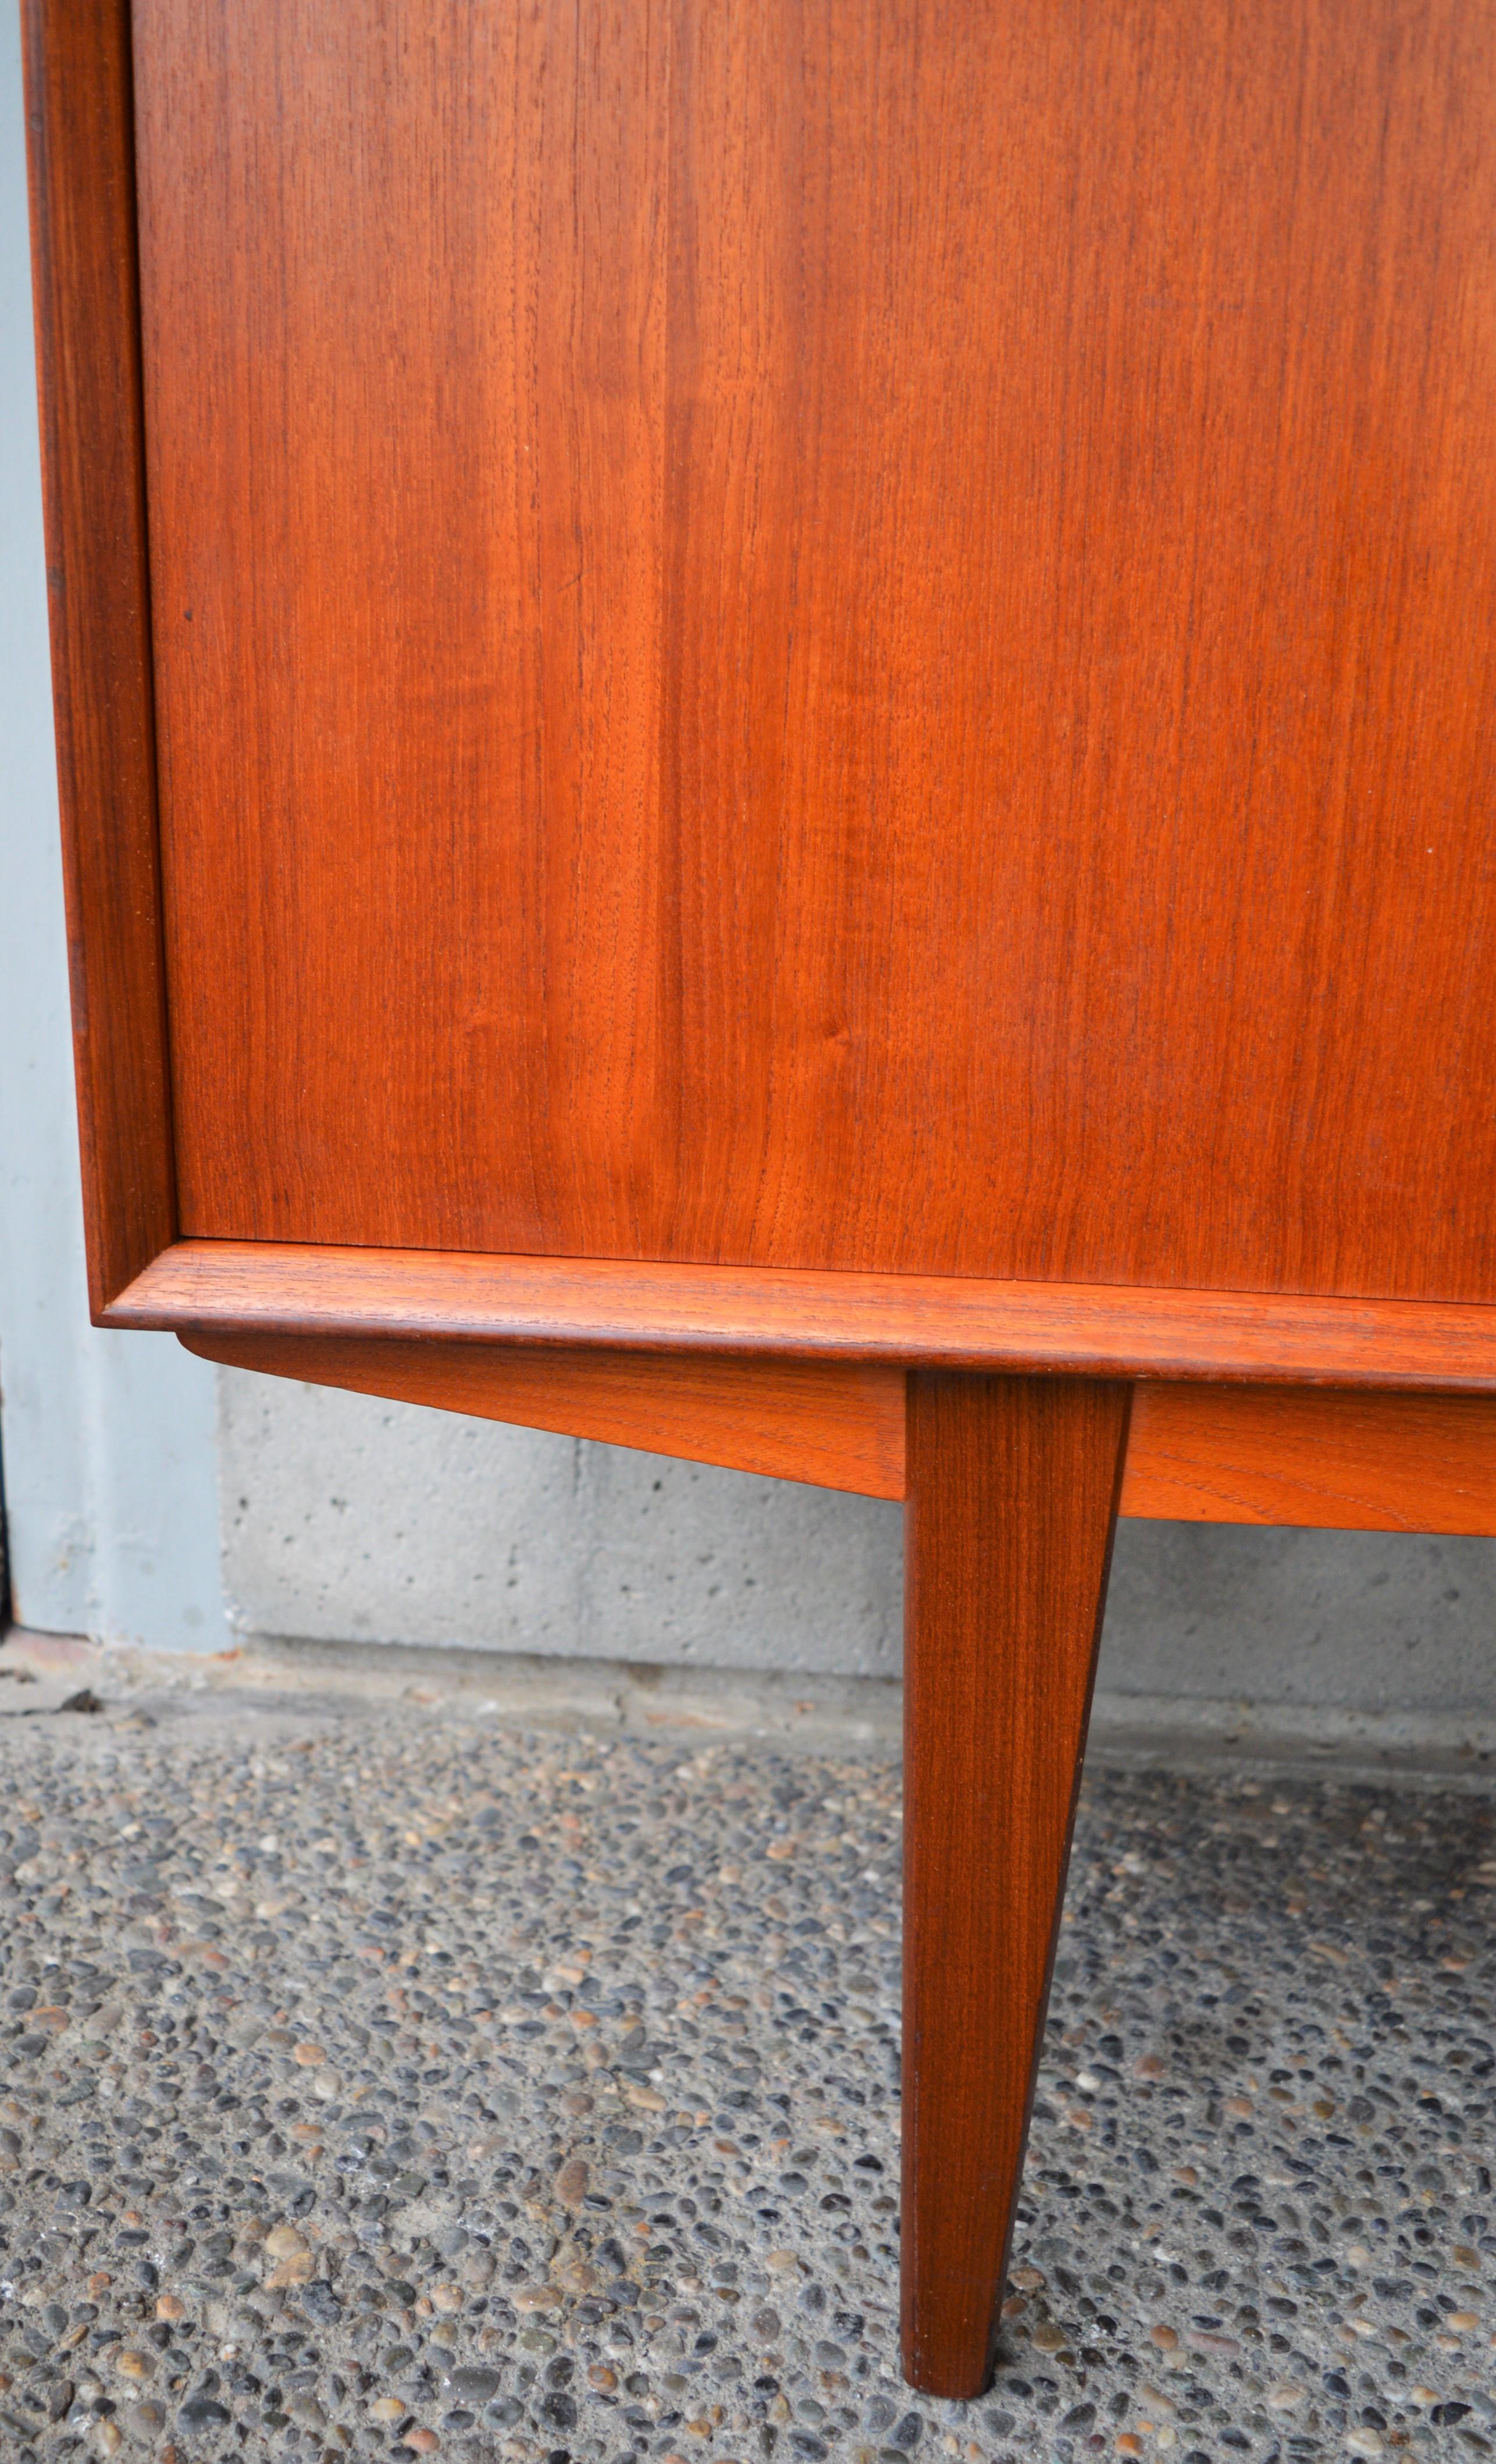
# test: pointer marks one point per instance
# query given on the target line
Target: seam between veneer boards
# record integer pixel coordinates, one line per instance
(1082, 1329)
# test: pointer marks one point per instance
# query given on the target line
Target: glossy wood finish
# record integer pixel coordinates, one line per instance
(1345, 1462)
(83, 246)
(269, 1288)
(1012, 1499)
(841, 1426)
(831, 633)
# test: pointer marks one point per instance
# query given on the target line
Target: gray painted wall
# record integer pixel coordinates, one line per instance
(108, 1438)
(347, 1519)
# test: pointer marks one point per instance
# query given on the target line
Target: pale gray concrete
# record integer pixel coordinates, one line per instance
(350, 1519)
(108, 1438)
(1377, 1620)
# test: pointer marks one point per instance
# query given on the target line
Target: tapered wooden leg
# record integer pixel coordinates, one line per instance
(1012, 1498)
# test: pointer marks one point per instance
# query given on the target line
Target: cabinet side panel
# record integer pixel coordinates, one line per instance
(831, 633)
(82, 190)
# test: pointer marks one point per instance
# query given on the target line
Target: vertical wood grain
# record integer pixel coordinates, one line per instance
(831, 633)
(312, 582)
(1012, 1488)
(79, 136)
(596, 271)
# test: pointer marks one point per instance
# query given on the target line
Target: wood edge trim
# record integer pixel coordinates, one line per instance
(78, 77)
(1074, 1329)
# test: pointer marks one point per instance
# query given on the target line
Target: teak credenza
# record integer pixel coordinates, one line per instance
(775, 737)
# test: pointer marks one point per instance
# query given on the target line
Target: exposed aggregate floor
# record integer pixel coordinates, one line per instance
(385, 2084)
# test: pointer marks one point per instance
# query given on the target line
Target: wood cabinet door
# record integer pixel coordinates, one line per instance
(810, 677)
(829, 634)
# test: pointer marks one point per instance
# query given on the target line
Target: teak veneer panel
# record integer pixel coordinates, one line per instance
(838, 1425)
(956, 1321)
(83, 251)
(831, 633)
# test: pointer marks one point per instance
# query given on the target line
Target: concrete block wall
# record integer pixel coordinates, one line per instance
(347, 1518)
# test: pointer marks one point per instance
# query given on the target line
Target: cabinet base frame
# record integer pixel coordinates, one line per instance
(1196, 1452)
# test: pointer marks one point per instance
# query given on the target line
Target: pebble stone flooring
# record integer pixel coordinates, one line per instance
(388, 2086)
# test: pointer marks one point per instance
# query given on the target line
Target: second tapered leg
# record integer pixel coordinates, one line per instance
(1012, 1499)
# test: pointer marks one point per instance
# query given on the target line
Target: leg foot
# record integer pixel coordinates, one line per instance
(1012, 1499)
